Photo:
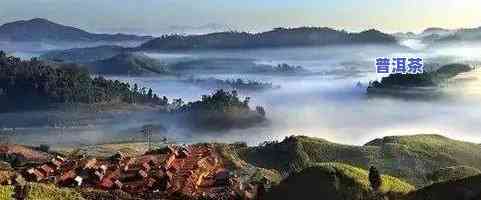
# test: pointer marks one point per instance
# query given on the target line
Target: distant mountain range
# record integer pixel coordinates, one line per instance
(201, 29)
(279, 37)
(84, 55)
(43, 30)
(441, 35)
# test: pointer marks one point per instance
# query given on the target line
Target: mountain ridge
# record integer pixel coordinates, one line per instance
(278, 37)
(40, 30)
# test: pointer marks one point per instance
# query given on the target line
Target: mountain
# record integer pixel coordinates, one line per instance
(466, 34)
(279, 37)
(43, 30)
(441, 36)
(437, 31)
(128, 63)
(206, 28)
(454, 173)
(406, 35)
(334, 181)
(415, 158)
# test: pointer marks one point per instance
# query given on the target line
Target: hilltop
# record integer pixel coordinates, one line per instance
(457, 35)
(334, 181)
(43, 30)
(83, 55)
(421, 85)
(279, 37)
(128, 63)
(440, 36)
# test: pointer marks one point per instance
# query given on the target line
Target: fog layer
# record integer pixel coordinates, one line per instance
(327, 103)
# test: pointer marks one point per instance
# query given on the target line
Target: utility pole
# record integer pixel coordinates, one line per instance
(147, 131)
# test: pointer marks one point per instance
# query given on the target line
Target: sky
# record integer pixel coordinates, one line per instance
(156, 17)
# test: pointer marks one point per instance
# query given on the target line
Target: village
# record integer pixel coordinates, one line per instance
(188, 171)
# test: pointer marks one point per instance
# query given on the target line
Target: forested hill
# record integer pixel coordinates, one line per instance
(279, 37)
(30, 84)
(42, 30)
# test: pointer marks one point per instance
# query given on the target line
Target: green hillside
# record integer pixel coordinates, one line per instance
(463, 189)
(414, 158)
(454, 173)
(333, 181)
(128, 64)
(50, 192)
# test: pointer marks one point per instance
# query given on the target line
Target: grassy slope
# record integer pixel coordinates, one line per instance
(107, 150)
(51, 192)
(231, 160)
(128, 63)
(410, 157)
(6, 192)
(335, 181)
(94, 194)
(462, 189)
(454, 173)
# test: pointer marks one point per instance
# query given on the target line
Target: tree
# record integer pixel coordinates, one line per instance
(149, 93)
(375, 178)
(261, 111)
(44, 148)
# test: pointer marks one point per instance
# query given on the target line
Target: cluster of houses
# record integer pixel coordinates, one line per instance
(193, 171)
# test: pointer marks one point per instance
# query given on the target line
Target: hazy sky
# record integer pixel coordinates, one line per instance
(157, 16)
